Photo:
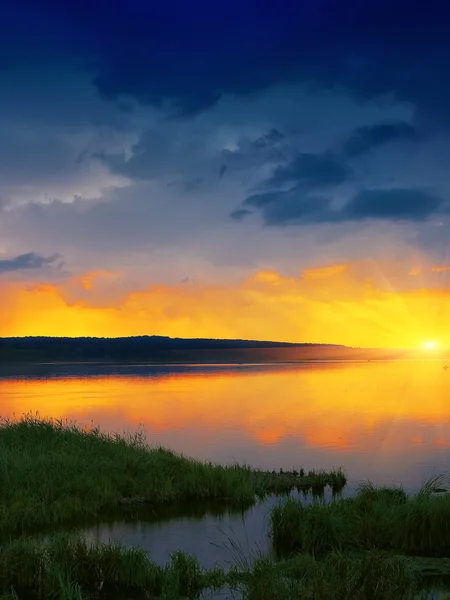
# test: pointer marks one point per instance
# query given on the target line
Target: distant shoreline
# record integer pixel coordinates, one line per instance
(164, 350)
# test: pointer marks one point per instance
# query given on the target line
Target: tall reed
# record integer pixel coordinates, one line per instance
(376, 518)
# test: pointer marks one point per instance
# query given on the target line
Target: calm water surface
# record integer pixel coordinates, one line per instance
(387, 421)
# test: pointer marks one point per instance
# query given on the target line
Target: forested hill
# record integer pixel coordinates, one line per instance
(144, 348)
(166, 349)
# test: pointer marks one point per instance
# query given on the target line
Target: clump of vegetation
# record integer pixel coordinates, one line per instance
(53, 471)
(370, 576)
(314, 482)
(376, 518)
(68, 568)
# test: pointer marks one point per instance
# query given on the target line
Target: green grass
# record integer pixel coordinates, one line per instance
(376, 518)
(379, 545)
(371, 576)
(54, 472)
(66, 567)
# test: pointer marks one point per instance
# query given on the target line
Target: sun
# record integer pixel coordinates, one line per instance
(430, 345)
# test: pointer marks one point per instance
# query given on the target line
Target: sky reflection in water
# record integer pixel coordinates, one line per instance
(386, 421)
(383, 421)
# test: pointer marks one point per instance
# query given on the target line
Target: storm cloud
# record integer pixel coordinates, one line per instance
(140, 50)
(312, 170)
(366, 139)
(169, 118)
(293, 207)
(25, 262)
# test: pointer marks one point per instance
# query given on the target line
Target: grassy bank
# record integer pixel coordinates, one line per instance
(363, 548)
(376, 518)
(53, 472)
(67, 568)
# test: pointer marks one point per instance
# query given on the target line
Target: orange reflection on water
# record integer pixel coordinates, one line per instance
(345, 407)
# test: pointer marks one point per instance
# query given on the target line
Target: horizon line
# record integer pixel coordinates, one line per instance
(249, 340)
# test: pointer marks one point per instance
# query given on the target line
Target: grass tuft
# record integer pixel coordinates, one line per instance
(376, 518)
(370, 576)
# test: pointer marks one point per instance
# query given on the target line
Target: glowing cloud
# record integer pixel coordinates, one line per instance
(352, 304)
(440, 268)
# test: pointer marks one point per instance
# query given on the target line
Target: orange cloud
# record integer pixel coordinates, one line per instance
(41, 310)
(354, 304)
(320, 272)
(440, 268)
(87, 280)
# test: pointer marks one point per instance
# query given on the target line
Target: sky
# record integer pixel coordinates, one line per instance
(248, 169)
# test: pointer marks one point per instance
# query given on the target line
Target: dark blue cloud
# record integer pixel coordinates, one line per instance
(291, 207)
(240, 214)
(192, 52)
(308, 173)
(294, 207)
(262, 200)
(270, 138)
(30, 260)
(312, 170)
(394, 204)
(365, 139)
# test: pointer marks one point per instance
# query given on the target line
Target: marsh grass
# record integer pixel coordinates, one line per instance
(314, 482)
(52, 471)
(371, 576)
(376, 518)
(68, 567)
